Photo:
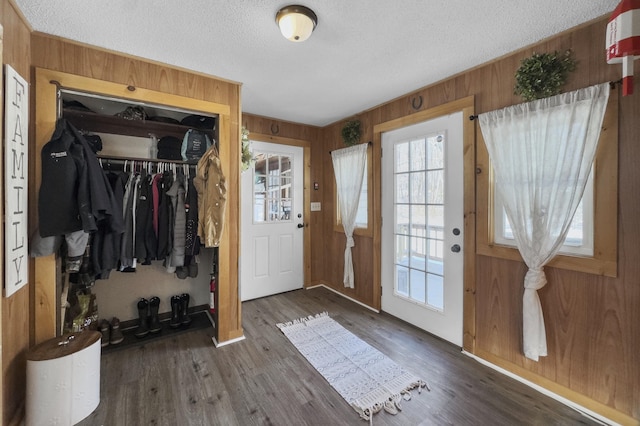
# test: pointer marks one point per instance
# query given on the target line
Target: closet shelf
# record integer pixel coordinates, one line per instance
(100, 123)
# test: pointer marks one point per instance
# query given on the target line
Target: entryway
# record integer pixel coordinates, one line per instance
(423, 225)
(272, 223)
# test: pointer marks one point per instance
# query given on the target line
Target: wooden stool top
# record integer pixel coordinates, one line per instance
(59, 347)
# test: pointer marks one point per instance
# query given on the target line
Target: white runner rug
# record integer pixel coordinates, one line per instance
(362, 375)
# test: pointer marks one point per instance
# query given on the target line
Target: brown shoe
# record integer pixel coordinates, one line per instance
(116, 334)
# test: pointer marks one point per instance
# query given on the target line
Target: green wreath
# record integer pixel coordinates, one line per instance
(543, 74)
(351, 132)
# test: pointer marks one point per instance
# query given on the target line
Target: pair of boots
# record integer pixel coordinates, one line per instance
(180, 311)
(111, 333)
(149, 320)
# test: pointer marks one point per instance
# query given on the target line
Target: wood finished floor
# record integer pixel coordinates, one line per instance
(263, 380)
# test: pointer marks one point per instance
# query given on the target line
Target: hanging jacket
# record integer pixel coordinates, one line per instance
(146, 240)
(63, 200)
(75, 193)
(105, 248)
(192, 242)
(177, 195)
(165, 216)
(212, 198)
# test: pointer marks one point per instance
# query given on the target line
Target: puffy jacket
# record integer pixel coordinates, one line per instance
(212, 198)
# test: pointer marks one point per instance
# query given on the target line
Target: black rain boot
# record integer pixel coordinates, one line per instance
(175, 312)
(184, 310)
(143, 313)
(154, 320)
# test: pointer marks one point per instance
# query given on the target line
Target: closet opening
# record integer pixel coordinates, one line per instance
(164, 280)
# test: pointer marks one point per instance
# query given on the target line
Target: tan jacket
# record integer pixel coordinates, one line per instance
(212, 197)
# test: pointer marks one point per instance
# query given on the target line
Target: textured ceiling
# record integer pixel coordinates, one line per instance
(362, 53)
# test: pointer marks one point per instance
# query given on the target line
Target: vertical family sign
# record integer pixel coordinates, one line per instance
(15, 180)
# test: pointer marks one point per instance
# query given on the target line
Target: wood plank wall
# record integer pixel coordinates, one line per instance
(14, 311)
(592, 321)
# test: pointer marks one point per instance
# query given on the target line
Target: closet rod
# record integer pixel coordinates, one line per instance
(140, 159)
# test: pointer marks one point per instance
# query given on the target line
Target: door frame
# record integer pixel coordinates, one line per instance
(306, 167)
(466, 105)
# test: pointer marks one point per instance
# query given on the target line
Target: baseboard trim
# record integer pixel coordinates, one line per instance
(343, 295)
(227, 342)
(571, 404)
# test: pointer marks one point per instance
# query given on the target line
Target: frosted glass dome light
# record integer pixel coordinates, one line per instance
(296, 22)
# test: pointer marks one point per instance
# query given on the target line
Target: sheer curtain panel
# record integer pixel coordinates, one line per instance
(541, 153)
(348, 166)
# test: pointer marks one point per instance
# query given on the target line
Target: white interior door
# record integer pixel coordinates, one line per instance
(423, 224)
(272, 239)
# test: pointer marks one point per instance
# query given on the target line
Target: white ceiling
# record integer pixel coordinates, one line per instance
(362, 53)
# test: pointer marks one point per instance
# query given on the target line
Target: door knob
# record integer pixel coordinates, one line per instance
(455, 248)
(301, 225)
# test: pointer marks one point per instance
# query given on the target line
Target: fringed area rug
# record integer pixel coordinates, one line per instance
(362, 375)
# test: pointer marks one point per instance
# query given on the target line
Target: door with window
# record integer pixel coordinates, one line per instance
(423, 225)
(272, 223)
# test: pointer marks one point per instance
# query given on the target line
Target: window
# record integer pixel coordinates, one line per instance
(603, 212)
(363, 217)
(579, 239)
(272, 188)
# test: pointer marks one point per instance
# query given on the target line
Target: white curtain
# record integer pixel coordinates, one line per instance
(348, 166)
(542, 152)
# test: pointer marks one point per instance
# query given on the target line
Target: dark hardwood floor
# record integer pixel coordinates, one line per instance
(263, 380)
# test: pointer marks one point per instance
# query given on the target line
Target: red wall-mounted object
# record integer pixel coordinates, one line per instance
(623, 40)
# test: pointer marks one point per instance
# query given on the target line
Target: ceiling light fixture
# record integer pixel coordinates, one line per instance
(296, 22)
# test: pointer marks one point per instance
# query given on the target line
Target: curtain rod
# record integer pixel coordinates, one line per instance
(613, 85)
(368, 143)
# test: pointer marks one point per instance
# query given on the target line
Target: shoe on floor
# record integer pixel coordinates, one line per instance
(104, 329)
(116, 334)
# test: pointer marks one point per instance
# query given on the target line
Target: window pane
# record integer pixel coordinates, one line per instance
(402, 250)
(417, 286)
(418, 220)
(418, 251)
(402, 281)
(260, 165)
(285, 188)
(402, 188)
(285, 166)
(273, 168)
(417, 154)
(402, 157)
(435, 181)
(402, 219)
(285, 204)
(435, 153)
(436, 216)
(259, 208)
(274, 210)
(418, 187)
